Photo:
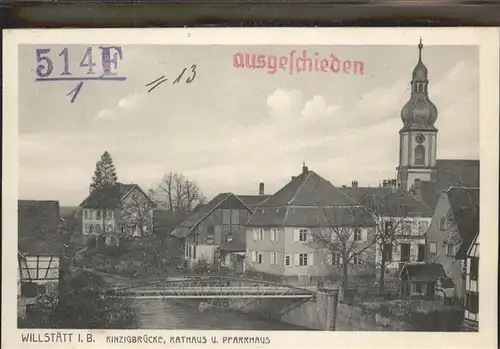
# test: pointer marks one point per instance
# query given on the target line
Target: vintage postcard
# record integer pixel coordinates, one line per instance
(242, 187)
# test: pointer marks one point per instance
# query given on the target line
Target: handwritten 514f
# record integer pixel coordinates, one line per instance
(109, 61)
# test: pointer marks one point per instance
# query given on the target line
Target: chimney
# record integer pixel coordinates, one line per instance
(304, 168)
(354, 184)
(394, 185)
(261, 188)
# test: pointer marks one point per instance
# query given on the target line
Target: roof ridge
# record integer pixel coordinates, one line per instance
(300, 187)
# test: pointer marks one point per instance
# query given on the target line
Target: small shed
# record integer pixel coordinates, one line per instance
(422, 280)
(232, 256)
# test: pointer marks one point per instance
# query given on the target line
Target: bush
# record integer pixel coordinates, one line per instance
(437, 320)
(84, 301)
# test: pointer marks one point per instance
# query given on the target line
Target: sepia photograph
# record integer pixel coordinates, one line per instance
(318, 187)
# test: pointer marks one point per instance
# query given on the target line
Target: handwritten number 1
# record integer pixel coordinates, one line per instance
(180, 76)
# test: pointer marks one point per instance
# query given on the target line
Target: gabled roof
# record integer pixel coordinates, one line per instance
(200, 212)
(460, 173)
(112, 196)
(37, 224)
(253, 200)
(423, 272)
(387, 202)
(309, 200)
(464, 204)
(309, 189)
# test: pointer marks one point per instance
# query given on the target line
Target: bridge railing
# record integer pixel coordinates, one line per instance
(211, 282)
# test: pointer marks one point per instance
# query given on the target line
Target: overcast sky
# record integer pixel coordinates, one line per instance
(232, 128)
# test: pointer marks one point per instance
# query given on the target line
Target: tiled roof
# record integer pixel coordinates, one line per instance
(38, 223)
(309, 189)
(387, 202)
(198, 214)
(360, 194)
(253, 200)
(112, 196)
(464, 204)
(460, 173)
(233, 246)
(424, 272)
(309, 200)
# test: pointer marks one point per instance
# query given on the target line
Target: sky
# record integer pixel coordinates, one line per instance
(232, 128)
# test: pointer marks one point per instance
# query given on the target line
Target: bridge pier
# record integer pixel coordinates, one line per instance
(331, 309)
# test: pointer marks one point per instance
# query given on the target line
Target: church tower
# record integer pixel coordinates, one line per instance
(418, 137)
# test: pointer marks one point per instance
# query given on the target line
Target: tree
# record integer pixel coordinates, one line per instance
(346, 235)
(177, 194)
(84, 301)
(104, 185)
(391, 219)
(105, 173)
(137, 211)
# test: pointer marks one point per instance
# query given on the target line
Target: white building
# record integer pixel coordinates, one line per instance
(471, 300)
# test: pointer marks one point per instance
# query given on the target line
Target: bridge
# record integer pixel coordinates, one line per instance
(206, 287)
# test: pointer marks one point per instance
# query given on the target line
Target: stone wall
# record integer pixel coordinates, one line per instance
(354, 318)
(307, 313)
(315, 314)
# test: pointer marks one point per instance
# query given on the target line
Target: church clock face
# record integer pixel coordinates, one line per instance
(420, 138)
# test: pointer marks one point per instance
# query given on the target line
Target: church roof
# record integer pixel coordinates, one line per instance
(458, 173)
(388, 202)
(419, 112)
(309, 200)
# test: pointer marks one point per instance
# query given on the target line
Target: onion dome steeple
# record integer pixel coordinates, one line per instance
(419, 113)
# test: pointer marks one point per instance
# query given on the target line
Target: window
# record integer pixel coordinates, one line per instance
(420, 155)
(388, 227)
(254, 256)
(418, 288)
(261, 234)
(334, 259)
(190, 250)
(110, 227)
(433, 247)
(406, 228)
(91, 228)
(98, 214)
(302, 259)
(274, 234)
(186, 252)
(442, 223)
(303, 235)
(405, 252)
(194, 252)
(450, 249)
(287, 260)
(226, 216)
(422, 227)
(474, 268)
(235, 217)
(259, 258)
(274, 258)
(472, 302)
(85, 212)
(357, 234)
(356, 260)
(387, 252)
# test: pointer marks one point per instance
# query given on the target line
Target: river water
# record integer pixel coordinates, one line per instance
(188, 315)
